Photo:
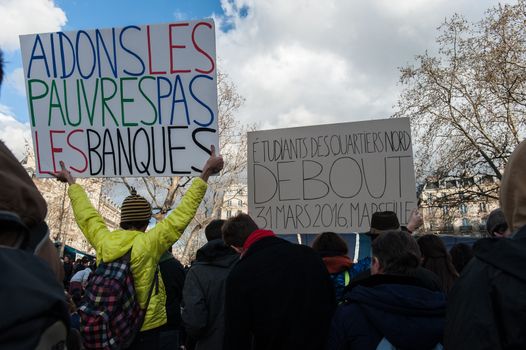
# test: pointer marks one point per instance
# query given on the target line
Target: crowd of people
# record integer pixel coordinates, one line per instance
(250, 289)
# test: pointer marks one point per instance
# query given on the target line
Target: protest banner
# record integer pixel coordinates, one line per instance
(131, 101)
(330, 177)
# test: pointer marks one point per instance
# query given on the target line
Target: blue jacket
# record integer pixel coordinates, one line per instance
(396, 308)
(342, 279)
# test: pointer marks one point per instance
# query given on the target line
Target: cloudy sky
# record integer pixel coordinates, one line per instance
(296, 62)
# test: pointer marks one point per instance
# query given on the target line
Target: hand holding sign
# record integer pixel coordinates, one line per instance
(132, 101)
(415, 220)
(64, 175)
(213, 165)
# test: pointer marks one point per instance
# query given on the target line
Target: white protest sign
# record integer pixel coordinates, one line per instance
(131, 101)
(330, 177)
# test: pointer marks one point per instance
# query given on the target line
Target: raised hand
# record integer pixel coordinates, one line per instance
(415, 220)
(64, 175)
(213, 165)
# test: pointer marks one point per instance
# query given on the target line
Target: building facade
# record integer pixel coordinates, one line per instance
(235, 201)
(458, 206)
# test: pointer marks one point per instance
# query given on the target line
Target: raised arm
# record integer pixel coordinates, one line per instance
(168, 231)
(87, 217)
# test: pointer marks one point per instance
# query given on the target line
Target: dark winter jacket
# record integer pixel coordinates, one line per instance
(278, 297)
(487, 305)
(173, 276)
(31, 302)
(426, 278)
(204, 294)
(397, 308)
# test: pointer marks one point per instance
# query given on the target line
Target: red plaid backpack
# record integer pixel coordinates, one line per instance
(110, 315)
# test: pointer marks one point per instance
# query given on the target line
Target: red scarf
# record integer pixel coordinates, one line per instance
(337, 264)
(256, 236)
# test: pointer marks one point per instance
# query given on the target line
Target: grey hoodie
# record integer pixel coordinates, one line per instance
(203, 310)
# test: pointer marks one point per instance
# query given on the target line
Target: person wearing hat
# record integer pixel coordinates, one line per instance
(387, 221)
(383, 221)
(146, 247)
(496, 224)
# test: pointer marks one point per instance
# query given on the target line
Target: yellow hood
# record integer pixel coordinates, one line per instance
(116, 244)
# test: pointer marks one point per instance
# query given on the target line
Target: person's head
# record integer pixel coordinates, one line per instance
(384, 221)
(330, 244)
(436, 259)
(23, 213)
(85, 261)
(136, 212)
(213, 230)
(66, 258)
(496, 224)
(461, 254)
(513, 189)
(395, 252)
(237, 229)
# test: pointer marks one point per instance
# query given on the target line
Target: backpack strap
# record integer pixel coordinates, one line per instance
(127, 257)
(155, 283)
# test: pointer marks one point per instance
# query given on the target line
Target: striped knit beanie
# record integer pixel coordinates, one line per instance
(135, 208)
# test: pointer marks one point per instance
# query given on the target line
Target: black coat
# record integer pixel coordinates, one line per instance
(397, 308)
(487, 305)
(204, 294)
(173, 276)
(279, 296)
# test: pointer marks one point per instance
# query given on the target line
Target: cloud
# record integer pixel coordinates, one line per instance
(16, 81)
(313, 62)
(14, 133)
(180, 15)
(26, 17)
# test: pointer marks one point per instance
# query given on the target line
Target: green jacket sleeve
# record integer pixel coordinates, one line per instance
(88, 218)
(163, 235)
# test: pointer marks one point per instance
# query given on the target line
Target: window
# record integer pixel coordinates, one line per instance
(445, 210)
(229, 202)
(466, 182)
(463, 209)
(430, 200)
(240, 202)
(451, 184)
(228, 214)
(483, 207)
(465, 222)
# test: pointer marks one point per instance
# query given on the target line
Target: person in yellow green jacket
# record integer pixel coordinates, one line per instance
(146, 247)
